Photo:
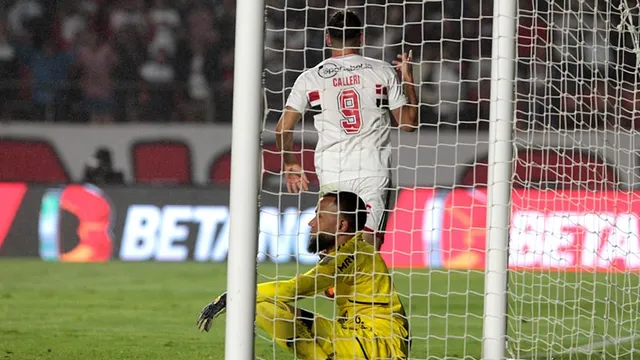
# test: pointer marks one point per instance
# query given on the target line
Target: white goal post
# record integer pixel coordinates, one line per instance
(500, 171)
(514, 230)
(245, 180)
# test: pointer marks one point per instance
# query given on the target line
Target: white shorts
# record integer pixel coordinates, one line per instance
(375, 192)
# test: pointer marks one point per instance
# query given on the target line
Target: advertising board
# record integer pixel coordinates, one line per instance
(86, 223)
(428, 228)
(550, 230)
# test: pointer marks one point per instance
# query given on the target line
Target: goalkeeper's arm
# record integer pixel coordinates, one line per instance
(316, 280)
(312, 282)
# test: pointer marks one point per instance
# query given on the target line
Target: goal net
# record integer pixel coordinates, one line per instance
(574, 249)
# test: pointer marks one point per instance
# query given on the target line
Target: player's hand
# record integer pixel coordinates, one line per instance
(211, 311)
(404, 66)
(295, 178)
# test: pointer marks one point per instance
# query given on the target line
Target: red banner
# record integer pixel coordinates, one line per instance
(463, 229)
(11, 195)
(550, 230)
(576, 230)
(404, 242)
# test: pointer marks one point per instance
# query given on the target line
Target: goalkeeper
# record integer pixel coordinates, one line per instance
(371, 322)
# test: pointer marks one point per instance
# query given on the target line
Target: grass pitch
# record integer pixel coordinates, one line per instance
(148, 311)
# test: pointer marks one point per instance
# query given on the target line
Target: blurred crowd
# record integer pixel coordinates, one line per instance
(116, 60)
(172, 60)
(575, 64)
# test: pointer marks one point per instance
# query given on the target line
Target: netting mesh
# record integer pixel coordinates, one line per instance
(574, 247)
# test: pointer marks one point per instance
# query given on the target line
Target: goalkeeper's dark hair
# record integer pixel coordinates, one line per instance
(344, 26)
(352, 208)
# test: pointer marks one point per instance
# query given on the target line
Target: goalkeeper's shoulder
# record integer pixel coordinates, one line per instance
(361, 246)
(356, 244)
(350, 252)
(358, 249)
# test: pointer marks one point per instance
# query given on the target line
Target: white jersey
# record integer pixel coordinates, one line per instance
(351, 96)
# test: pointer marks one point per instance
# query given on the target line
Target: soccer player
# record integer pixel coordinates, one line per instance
(372, 322)
(351, 96)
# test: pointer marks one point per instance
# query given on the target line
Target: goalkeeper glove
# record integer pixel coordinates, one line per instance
(211, 311)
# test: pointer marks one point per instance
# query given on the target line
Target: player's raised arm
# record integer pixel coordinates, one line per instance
(284, 133)
(294, 173)
(407, 114)
(297, 103)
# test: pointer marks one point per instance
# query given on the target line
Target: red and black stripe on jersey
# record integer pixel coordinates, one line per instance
(315, 104)
(382, 96)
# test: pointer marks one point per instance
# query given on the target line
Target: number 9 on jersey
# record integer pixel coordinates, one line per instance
(349, 106)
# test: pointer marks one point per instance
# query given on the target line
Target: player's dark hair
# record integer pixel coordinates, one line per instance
(352, 208)
(344, 26)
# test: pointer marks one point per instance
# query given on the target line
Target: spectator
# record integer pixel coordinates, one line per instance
(49, 68)
(198, 67)
(200, 22)
(534, 59)
(128, 13)
(96, 60)
(99, 169)
(157, 97)
(445, 86)
(226, 24)
(21, 17)
(70, 23)
(165, 22)
(479, 76)
(130, 53)
(9, 70)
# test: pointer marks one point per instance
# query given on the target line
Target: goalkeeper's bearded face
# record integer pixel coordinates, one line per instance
(320, 242)
(324, 227)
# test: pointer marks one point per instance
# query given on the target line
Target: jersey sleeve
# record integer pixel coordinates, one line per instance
(397, 98)
(298, 97)
(331, 269)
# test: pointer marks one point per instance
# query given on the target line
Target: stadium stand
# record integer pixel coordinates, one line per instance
(550, 169)
(31, 161)
(162, 161)
(220, 169)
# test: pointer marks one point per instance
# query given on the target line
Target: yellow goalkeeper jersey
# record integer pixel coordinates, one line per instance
(364, 290)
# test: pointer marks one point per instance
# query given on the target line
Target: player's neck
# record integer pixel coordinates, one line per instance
(341, 239)
(343, 52)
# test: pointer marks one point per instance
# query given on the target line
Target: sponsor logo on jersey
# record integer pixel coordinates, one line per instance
(345, 263)
(330, 70)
